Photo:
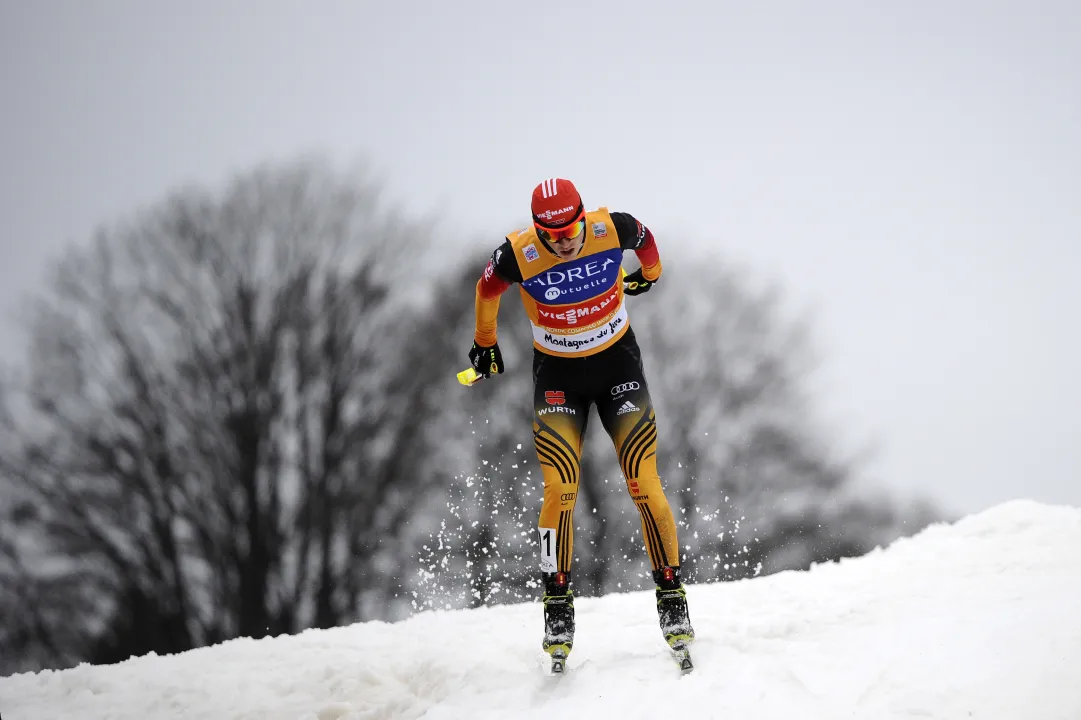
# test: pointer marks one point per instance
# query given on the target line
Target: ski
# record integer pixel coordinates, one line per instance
(558, 654)
(682, 655)
(559, 662)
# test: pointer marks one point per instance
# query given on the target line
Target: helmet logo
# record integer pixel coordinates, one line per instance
(548, 214)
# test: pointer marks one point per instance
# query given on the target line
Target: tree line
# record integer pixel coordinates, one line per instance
(238, 417)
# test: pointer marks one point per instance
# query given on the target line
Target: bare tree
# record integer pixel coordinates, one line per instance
(216, 426)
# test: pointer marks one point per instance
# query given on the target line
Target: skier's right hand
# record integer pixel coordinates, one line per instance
(487, 361)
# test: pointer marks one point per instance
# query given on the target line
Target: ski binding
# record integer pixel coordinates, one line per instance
(558, 654)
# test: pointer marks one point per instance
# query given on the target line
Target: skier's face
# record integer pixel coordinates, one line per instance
(566, 241)
(568, 248)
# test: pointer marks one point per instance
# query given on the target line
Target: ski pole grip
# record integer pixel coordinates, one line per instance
(469, 376)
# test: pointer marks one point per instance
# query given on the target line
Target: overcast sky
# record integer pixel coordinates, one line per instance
(909, 172)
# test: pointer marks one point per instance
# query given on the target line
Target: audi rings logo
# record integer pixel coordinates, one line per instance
(625, 387)
(551, 293)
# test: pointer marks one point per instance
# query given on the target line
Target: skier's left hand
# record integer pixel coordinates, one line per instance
(635, 284)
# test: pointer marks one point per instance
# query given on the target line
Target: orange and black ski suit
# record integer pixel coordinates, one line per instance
(584, 353)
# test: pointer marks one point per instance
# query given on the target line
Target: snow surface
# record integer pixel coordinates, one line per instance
(980, 619)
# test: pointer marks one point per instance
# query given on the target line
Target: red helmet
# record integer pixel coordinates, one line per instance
(556, 204)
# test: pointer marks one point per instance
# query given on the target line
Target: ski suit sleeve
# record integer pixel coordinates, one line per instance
(633, 235)
(499, 273)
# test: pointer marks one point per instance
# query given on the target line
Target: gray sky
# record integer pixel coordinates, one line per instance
(910, 172)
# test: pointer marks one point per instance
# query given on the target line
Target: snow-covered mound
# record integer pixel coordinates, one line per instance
(980, 619)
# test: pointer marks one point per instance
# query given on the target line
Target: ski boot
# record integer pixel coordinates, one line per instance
(674, 616)
(558, 618)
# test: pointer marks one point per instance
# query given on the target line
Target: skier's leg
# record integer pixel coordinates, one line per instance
(626, 410)
(627, 413)
(559, 422)
(560, 413)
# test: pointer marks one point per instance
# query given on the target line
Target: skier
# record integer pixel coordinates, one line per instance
(568, 266)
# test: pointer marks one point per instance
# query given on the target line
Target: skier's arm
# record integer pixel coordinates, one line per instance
(633, 235)
(499, 273)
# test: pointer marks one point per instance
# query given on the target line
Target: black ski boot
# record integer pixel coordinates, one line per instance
(558, 618)
(672, 609)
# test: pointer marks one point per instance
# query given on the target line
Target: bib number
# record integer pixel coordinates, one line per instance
(547, 549)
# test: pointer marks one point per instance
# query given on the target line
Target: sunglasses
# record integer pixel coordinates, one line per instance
(572, 230)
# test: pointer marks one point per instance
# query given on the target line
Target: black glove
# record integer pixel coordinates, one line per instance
(635, 284)
(487, 361)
